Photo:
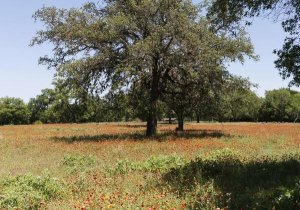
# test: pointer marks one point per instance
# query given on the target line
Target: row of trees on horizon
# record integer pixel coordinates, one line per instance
(233, 105)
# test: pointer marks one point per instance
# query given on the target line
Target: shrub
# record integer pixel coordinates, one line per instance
(28, 191)
(79, 163)
(269, 182)
(223, 154)
(123, 166)
(163, 163)
(153, 164)
(38, 122)
(286, 198)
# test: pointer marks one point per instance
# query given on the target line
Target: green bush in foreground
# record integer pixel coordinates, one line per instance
(152, 164)
(270, 182)
(29, 192)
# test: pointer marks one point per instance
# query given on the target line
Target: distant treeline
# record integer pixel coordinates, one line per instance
(53, 106)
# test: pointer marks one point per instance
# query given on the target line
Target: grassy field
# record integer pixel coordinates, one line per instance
(113, 166)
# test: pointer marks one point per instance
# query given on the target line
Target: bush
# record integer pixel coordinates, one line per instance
(123, 167)
(38, 122)
(153, 164)
(79, 163)
(269, 182)
(163, 163)
(28, 191)
(288, 198)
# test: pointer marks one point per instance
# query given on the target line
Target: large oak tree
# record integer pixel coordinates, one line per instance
(134, 43)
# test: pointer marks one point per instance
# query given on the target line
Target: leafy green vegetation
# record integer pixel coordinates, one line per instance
(153, 164)
(236, 102)
(78, 163)
(29, 192)
(231, 15)
(268, 182)
(13, 111)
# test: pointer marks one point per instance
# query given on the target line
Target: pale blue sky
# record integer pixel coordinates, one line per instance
(21, 76)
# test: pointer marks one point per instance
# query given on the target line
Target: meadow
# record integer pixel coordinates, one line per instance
(113, 166)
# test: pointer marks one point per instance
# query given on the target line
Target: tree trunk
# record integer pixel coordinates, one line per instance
(180, 124)
(152, 118)
(296, 118)
(198, 119)
(154, 94)
(170, 120)
(151, 125)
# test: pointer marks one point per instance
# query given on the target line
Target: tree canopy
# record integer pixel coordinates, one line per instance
(122, 44)
(230, 13)
(13, 111)
(281, 105)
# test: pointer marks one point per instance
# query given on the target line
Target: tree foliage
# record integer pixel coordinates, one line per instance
(230, 13)
(233, 101)
(126, 42)
(40, 104)
(198, 95)
(238, 101)
(281, 105)
(13, 111)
